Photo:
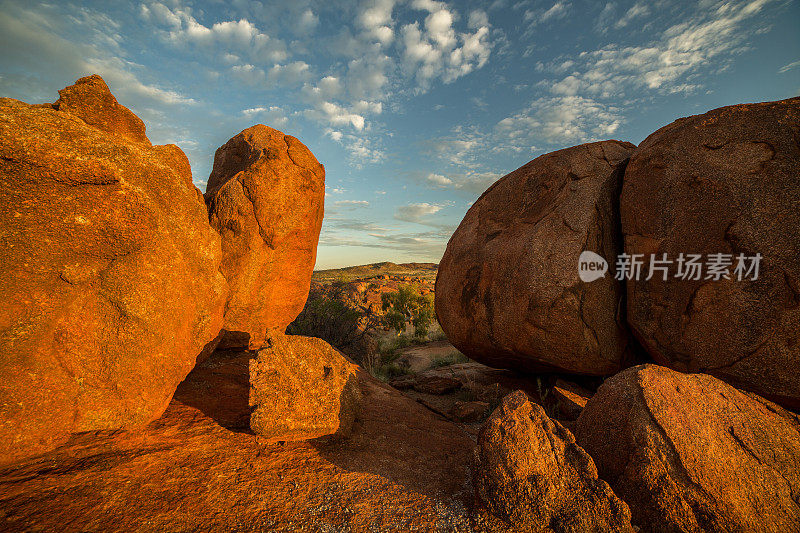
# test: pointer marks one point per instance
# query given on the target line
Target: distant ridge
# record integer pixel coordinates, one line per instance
(423, 270)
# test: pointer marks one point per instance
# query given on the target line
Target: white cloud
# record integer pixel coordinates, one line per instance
(670, 63)
(636, 11)
(787, 68)
(557, 11)
(560, 120)
(274, 115)
(308, 21)
(183, 29)
(458, 149)
(361, 150)
(333, 134)
(351, 203)
(472, 182)
(416, 212)
(438, 179)
(249, 74)
(376, 21)
(290, 74)
(477, 19)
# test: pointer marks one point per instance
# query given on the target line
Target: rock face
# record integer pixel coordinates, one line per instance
(265, 196)
(508, 292)
(691, 453)
(531, 473)
(111, 283)
(724, 182)
(301, 388)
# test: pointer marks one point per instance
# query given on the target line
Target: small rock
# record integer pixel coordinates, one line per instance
(570, 399)
(531, 473)
(301, 388)
(469, 411)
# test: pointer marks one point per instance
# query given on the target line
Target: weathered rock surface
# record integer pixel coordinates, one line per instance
(724, 182)
(265, 196)
(688, 452)
(198, 468)
(90, 100)
(508, 292)
(301, 388)
(531, 473)
(111, 285)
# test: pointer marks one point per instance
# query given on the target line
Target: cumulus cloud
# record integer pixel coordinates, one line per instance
(182, 28)
(438, 179)
(434, 49)
(376, 21)
(360, 150)
(308, 21)
(290, 74)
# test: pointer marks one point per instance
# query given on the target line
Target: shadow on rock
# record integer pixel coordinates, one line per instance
(400, 440)
(220, 387)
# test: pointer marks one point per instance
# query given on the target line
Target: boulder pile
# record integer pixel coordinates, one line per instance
(696, 444)
(122, 281)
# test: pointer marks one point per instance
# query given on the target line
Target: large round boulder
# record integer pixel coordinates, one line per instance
(508, 291)
(688, 452)
(111, 286)
(265, 196)
(726, 182)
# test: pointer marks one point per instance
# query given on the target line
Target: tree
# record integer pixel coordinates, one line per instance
(406, 306)
(330, 315)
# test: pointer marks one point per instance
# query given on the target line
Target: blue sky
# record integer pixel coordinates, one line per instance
(414, 107)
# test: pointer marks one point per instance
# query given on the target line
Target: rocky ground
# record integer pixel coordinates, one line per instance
(199, 467)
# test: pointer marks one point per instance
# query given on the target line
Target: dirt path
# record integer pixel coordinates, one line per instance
(421, 357)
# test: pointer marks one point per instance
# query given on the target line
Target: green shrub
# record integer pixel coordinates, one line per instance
(408, 306)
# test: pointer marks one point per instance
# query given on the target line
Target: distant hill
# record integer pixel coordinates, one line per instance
(422, 270)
